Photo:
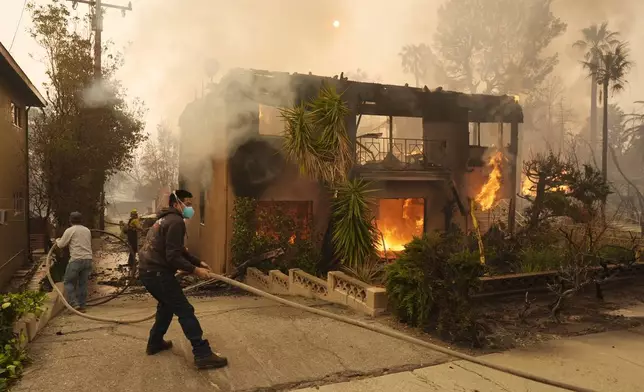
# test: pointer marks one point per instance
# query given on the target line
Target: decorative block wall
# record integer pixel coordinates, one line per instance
(338, 288)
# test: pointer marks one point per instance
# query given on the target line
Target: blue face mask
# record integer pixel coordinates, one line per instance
(188, 212)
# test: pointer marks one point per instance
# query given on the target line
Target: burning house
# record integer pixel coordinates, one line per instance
(421, 149)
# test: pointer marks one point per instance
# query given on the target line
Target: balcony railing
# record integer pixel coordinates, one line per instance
(400, 154)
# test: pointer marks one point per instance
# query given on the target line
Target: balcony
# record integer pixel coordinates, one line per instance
(405, 159)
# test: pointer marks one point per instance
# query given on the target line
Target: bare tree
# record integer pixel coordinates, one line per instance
(160, 159)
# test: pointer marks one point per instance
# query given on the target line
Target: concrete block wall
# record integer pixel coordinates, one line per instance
(338, 288)
(29, 326)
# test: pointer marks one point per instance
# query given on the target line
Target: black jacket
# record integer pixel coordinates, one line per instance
(164, 249)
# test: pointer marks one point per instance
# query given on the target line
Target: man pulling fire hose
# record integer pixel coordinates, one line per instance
(162, 255)
(161, 261)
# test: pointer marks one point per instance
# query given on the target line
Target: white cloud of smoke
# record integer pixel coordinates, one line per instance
(172, 43)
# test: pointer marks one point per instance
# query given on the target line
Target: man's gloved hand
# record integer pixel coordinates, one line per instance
(201, 273)
(204, 265)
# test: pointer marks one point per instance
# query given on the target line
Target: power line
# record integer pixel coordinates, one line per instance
(24, 3)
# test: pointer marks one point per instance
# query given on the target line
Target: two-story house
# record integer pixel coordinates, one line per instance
(17, 96)
(420, 149)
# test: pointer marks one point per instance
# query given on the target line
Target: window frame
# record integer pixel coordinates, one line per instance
(19, 203)
(16, 114)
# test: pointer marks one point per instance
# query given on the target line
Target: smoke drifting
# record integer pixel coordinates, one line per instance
(99, 94)
(172, 43)
(622, 16)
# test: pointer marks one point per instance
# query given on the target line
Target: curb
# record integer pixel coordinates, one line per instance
(29, 325)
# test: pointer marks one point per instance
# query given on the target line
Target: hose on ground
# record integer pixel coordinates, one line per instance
(107, 298)
(104, 319)
(375, 328)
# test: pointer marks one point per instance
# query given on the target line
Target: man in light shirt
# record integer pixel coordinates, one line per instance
(79, 240)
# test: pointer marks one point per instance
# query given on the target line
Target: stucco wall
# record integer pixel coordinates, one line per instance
(14, 241)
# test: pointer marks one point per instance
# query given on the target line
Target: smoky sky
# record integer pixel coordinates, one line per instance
(170, 41)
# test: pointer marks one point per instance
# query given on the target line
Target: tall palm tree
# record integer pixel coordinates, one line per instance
(609, 72)
(596, 39)
(414, 60)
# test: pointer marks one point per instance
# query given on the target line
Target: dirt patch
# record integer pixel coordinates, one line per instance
(582, 315)
(622, 308)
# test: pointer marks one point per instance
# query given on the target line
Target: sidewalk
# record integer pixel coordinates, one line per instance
(610, 361)
(276, 348)
(268, 346)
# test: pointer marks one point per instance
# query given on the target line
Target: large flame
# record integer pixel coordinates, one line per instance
(399, 221)
(488, 194)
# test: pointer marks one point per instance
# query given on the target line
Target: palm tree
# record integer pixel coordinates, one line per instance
(316, 139)
(596, 39)
(609, 72)
(414, 60)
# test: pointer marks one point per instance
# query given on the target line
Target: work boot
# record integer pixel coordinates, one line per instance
(166, 345)
(213, 361)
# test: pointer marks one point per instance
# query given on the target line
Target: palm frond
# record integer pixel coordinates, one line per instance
(316, 137)
(300, 144)
(355, 234)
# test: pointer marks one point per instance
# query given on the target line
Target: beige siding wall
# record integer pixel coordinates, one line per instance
(14, 241)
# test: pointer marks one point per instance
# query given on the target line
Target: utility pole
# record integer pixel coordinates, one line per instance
(97, 27)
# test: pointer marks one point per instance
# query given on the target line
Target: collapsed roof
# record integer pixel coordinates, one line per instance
(282, 89)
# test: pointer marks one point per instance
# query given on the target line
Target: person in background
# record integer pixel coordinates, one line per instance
(79, 240)
(132, 231)
(162, 255)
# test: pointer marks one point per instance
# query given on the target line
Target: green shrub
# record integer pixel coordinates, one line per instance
(12, 356)
(541, 259)
(615, 254)
(242, 244)
(501, 249)
(307, 256)
(430, 283)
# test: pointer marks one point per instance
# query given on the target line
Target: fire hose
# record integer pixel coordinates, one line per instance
(375, 328)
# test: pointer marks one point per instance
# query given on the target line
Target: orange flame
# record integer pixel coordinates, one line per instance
(527, 187)
(487, 196)
(399, 221)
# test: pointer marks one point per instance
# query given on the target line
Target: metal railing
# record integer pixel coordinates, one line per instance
(399, 153)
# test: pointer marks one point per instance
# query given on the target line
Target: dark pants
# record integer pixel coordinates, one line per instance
(133, 241)
(165, 288)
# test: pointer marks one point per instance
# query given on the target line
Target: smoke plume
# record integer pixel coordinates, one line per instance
(173, 46)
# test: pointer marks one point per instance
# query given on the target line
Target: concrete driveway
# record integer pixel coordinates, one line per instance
(269, 347)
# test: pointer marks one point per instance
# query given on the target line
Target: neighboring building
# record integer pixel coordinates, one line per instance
(420, 148)
(17, 96)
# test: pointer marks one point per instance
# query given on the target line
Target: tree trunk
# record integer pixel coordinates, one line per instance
(605, 134)
(537, 205)
(593, 114)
